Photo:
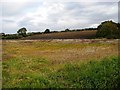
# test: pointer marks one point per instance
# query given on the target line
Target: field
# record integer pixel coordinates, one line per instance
(69, 63)
(65, 35)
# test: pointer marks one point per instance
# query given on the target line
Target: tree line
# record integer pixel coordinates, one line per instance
(23, 33)
(107, 29)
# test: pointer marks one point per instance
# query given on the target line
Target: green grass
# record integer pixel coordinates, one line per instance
(65, 64)
(93, 74)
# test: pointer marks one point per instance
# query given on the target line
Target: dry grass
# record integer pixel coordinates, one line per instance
(60, 51)
(30, 61)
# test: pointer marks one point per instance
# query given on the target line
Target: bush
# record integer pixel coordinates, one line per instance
(108, 29)
(11, 36)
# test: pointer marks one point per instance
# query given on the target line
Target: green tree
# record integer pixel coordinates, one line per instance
(22, 32)
(67, 30)
(47, 31)
(108, 29)
(2, 34)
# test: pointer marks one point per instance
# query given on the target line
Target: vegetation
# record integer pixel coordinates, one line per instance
(11, 36)
(108, 29)
(94, 74)
(22, 32)
(60, 64)
(67, 30)
(47, 31)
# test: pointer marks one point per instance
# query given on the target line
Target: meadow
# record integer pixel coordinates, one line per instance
(67, 63)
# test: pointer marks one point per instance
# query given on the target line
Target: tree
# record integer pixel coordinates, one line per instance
(22, 32)
(108, 29)
(47, 31)
(2, 34)
(67, 30)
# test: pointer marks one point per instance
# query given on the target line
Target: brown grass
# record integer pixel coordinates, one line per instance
(33, 62)
(60, 51)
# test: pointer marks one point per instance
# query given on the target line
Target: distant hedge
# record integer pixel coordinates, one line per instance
(11, 36)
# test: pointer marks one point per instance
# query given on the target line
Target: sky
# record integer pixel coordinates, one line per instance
(36, 16)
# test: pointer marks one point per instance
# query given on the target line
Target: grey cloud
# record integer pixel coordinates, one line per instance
(71, 15)
(6, 20)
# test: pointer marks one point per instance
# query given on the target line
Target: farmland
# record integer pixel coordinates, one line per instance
(75, 63)
(65, 35)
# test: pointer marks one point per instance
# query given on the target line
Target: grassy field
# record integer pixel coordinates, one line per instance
(65, 35)
(69, 63)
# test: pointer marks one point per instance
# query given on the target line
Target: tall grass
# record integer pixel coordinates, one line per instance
(94, 74)
(52, 63)
(102, 73)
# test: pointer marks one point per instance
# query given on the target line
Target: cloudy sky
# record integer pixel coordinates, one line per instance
(37, 16)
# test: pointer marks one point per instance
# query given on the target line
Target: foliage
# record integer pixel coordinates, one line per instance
(67, 30)
(22, 32)
(2, 34)
(108, 29)
(47, 31)
(11, 36)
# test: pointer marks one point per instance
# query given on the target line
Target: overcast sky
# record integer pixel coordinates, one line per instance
(38, 16)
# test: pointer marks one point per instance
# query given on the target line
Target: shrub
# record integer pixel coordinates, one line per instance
(11, 36)
(108, 29)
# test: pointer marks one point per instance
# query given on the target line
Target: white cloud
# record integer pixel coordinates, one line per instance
(61, 0)
(94, 25)
(55, 15)
(9, 27)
